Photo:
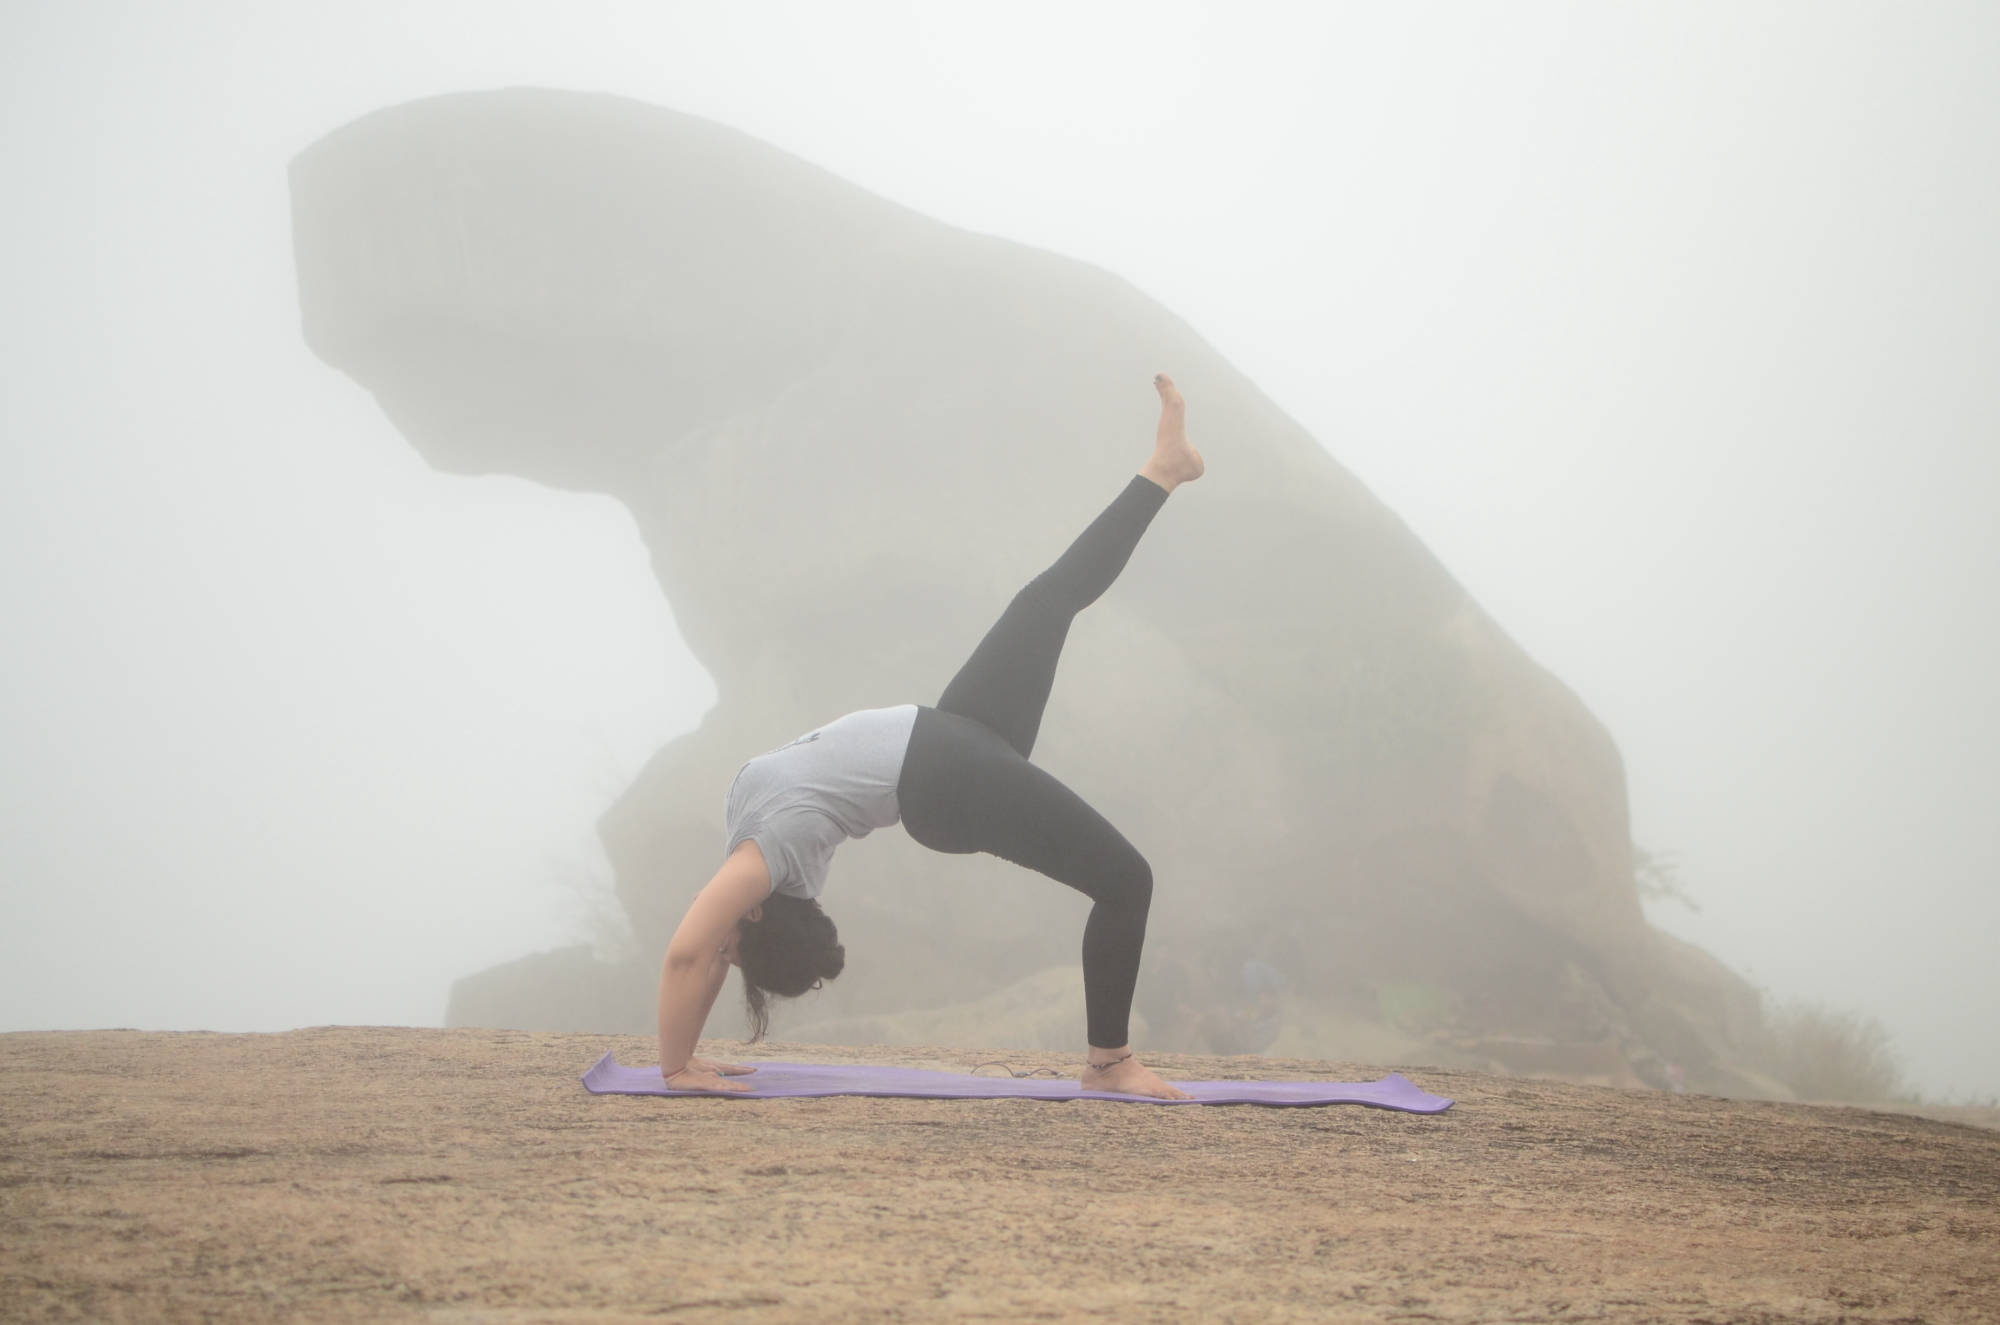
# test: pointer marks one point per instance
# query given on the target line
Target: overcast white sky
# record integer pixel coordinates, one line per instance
(1671, 329)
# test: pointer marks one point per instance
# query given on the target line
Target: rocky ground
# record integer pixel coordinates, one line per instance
(386, 1174)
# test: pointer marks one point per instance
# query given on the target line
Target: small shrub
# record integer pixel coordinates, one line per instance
(1657, 875)
(1827, 1055)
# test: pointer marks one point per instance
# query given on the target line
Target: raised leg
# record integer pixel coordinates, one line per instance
(1005, 684)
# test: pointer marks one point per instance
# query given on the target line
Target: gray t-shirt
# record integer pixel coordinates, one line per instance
(802, 800)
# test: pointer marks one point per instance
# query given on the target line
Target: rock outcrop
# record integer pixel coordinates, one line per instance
(848, 433)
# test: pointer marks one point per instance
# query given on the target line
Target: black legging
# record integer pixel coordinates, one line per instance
(967, 784)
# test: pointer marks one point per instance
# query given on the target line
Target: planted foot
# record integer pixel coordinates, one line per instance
(1129, 1076)
(1175, 461)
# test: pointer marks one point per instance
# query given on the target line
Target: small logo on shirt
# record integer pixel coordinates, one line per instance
(803, 740)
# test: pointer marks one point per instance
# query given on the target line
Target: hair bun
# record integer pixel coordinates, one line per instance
(832, 961)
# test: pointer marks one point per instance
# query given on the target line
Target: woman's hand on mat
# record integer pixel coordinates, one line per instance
(720, 1069)
(692, 1077)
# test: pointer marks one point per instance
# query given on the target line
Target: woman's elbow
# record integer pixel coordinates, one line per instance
(683, 958)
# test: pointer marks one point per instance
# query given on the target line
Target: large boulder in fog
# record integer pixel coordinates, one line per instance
(847, 433)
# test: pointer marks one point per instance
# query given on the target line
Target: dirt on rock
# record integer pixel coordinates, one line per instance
(393, 1174)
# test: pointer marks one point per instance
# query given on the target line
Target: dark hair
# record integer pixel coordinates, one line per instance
(791, 950)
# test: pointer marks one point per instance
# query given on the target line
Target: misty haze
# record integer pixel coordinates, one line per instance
(1579, 662)
(1527, 803)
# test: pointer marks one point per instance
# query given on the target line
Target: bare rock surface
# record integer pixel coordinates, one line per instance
(393, 1174)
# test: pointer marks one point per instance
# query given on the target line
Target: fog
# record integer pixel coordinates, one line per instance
(1670, 331)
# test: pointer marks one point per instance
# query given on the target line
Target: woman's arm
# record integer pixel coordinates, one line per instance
(696, 963)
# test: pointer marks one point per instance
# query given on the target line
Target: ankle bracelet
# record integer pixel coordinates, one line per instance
(1099, 1067)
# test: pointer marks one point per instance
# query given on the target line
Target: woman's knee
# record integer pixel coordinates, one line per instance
(1132, 882)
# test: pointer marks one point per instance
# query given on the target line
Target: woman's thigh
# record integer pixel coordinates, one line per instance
(965, 789)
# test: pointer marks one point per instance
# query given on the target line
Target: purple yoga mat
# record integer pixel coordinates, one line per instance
(808, 1080)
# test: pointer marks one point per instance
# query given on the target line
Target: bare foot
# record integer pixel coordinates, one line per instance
(1175, 461)
(1129, 1076)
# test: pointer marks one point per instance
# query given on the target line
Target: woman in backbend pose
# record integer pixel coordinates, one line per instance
(959, 778)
